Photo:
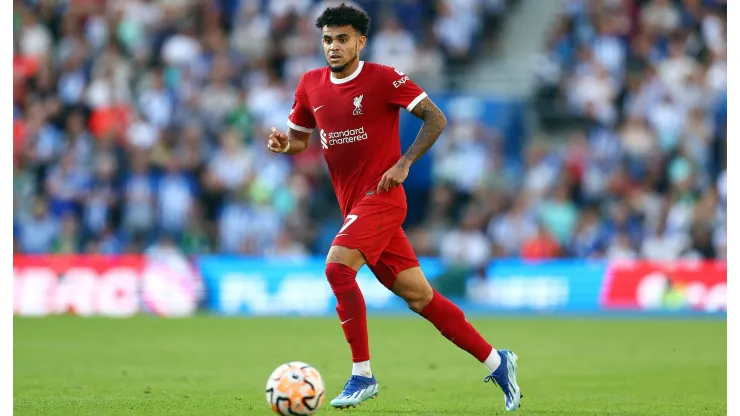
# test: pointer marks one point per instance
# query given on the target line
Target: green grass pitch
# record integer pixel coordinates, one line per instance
(219, 366)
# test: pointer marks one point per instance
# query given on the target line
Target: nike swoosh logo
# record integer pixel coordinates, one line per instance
(315, 109)
(344, 322)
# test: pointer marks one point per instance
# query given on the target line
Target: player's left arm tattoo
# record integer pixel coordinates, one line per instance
(434, 124)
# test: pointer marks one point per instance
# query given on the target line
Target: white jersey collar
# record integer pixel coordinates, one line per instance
(349, 78)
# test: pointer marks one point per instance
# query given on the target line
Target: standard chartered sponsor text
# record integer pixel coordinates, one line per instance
(346, 136)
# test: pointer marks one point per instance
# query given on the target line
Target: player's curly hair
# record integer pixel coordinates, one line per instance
(344, 15)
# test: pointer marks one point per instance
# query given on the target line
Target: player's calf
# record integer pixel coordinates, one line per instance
(417, 301)
(448, 318)
(450, 321)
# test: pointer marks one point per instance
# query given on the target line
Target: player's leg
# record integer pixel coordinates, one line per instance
(365, 233)
(398, 269)
(342, 264)
(449, 319)
(411, 285)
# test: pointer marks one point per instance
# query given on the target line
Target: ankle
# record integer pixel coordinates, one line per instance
(362, 368)
(493, 362)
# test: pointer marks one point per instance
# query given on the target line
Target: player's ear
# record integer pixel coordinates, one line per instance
(361, 42)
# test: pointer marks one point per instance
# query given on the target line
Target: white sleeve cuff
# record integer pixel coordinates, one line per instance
(416, 101)
(299, 128)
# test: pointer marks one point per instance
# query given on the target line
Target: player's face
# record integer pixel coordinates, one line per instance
(342, 46)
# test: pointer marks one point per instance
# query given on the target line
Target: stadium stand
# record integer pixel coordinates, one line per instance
(142, 123)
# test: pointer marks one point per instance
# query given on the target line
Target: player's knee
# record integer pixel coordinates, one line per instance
(419, 299)
(347, 256)
(341, 277)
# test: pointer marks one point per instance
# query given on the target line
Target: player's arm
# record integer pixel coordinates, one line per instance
(292, 143)
(434, 123)
(301, 123)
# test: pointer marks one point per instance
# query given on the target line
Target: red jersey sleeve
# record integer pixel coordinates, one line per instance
(402, 91)
(301, 117)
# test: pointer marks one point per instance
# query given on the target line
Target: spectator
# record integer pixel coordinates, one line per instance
(231, 165)
(287, 248)
(35, 39)
(559, 215)
(176, 192)
(677, 67)
(394, 46)
(540, 246)
(621, 248)
(139, 199)
(37, 230)
(660, 16)
(100, 202)
(69, 240)
(66, 185)
(462, 157)
(457, 27)
(182, 48)
(218, 98)
(429, 66)
(662, 246)
(467, 246)
(156, 103)
(511, 229)
(589, 237)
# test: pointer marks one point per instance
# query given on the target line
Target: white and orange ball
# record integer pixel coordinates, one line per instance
(295, 388)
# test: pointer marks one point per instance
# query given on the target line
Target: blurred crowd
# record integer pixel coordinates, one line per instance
(141, 125)
(641, 89)
(630, 159)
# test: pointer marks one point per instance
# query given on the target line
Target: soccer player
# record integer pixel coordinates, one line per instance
(355, 106)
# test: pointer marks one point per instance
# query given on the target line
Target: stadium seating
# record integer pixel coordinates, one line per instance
(143, 123)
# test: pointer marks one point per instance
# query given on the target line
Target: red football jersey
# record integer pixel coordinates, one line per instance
(357, 118)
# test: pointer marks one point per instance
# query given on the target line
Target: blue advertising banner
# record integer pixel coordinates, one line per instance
(251, 286)
(562, 285)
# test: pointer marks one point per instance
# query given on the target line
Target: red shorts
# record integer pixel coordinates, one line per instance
(374, 228)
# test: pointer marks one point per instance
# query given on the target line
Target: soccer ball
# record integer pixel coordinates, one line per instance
(295, 388)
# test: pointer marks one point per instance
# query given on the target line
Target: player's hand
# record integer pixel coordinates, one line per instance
(393, 178)
(277, 141)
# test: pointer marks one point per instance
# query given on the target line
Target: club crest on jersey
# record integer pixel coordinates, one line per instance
(358, 105)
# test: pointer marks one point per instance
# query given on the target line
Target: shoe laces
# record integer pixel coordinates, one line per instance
(491, 378)
(354, 383)
(498, 381)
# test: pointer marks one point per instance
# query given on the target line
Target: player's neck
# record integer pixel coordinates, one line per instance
(348, 71)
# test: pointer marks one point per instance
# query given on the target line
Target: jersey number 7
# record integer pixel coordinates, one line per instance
(350, 219)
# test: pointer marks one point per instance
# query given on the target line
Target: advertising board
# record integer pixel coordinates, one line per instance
(562, 285)
(121, 286)
(676, 286)
(117, 286)
(251, 286)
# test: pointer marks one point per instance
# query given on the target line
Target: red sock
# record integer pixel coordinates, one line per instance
(450, 321)
(350, 308)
